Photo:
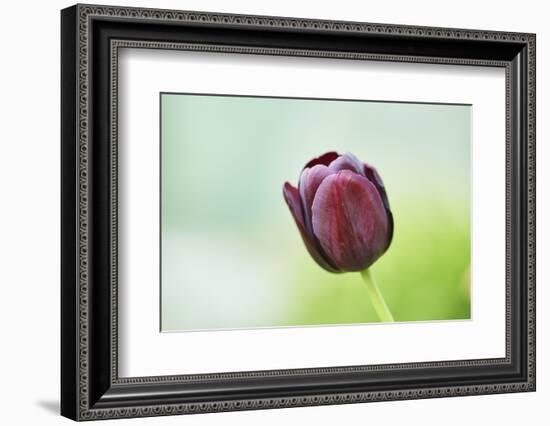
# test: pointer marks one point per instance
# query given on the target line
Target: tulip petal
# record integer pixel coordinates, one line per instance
(310, 180)
(324, 159)
(350, 221)
(347, 161)
(292, 198)
(374, 177)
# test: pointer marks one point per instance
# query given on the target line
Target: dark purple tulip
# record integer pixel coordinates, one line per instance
(342, 212)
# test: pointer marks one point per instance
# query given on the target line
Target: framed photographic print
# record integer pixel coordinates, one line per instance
(263, 212)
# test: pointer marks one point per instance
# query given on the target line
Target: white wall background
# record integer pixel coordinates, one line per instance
(29, 211)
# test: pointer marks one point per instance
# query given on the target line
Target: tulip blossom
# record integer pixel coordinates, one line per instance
(342, 212)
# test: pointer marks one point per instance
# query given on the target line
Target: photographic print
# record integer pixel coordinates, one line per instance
(346, 208)
(292, 212)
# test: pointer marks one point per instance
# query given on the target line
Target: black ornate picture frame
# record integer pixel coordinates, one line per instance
(90, 385)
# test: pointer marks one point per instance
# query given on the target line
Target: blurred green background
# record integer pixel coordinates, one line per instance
(232, 256)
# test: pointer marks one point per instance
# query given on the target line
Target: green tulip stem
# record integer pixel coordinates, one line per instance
(376, 298)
